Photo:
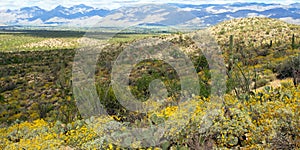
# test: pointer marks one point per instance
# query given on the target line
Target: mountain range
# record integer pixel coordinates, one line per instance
(171, 14)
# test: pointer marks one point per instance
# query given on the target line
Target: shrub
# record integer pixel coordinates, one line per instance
(261, 82)
(287, 68)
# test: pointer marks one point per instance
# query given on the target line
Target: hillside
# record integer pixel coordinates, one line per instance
(256, 36)
(43, 77)
(262, 45)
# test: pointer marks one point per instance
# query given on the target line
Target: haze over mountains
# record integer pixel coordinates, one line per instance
(172, 14)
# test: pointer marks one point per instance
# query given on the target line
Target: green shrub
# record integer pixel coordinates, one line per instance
(261, 82)
(287, 68)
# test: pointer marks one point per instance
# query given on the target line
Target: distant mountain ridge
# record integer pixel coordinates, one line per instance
(165, 14)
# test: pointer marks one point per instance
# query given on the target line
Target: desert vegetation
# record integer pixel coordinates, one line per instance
(259, 109)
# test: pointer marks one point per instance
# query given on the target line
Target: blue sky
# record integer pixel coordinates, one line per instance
(112, 4)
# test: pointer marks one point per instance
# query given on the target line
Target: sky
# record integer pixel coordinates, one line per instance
(113, 4)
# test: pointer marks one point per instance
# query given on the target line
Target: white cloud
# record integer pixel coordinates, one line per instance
(34, 23)
(5, 18)
(291, 20)
(234, 9)
(212, 10)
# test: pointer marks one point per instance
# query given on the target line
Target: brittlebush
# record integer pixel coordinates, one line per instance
(267, 119)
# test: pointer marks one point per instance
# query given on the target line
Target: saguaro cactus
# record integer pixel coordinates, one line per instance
(230, 53)
(231, 43)
(293, 41)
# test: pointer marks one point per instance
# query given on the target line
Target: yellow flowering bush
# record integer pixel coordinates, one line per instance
(26, 135)
(266, 119)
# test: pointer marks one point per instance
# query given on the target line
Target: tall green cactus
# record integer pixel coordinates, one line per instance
(271, 43)
(231, 43)
(230, 52)
(293, 42)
